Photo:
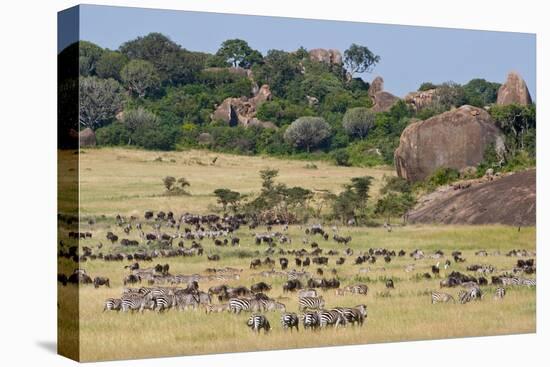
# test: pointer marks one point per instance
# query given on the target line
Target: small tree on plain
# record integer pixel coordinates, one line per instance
(307, 132)
(358, 121)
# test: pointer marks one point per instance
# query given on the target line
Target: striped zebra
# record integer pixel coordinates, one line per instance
(500, 293)
(112, 304)
(357, 289)
(330, 318)
(237, 305)
(311, 320)
(510, 281)
(312, 303)
(465, 296)
(307, 293)
(528, 282)
(440, 297)
(272, 305)
(216, 308)
(136, 302)
(289, 321)
(186, 300)
(352, 315)
(258, 322)
(164, 302)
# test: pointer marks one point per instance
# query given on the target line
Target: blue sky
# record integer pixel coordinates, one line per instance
(409, 55)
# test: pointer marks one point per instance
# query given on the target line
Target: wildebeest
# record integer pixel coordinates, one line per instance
(389, 283)
(255, 263)
(62, 278)
(260, 287)
(98, 281)
(132, 279)
(284, 262)
(214, 257)
(292, 285)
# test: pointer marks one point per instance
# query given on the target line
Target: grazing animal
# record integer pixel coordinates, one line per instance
(440, 297)
(260, 287)
(217, 308)
(468, 295)
(500, 293)
(284, 263)
(311, 320)
(330, 318)
(98, 281)
(255, 263)
(312, 303)
(307, 293)
(237, 305)
(112, 304)
(353, 315)
(357, 289)
(289, 321)
(258, 322)
(389, 284)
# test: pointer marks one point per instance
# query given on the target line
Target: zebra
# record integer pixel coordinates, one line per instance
(311, 320)
(438, 297)
(357, 289)
(164, 302)
(330, 318)
(236, 305)
(352, 315)
(307, 293)
(185, 300)
(135, 302)
(500, 293)
(311, 303)
(209, 308)
(113, 304)
(468, 295)
(258, 322)
(528, 282)
(204, 298)
(289, 320)
(271, 305)
(508, 281)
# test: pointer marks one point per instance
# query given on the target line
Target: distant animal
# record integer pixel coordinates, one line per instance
(307, 293)
(260, 287)
(311, 320)
(389, 284)
(255, 263)
(98, 281)
(289, 321)
(284, 263)
(500, 293)
(258, 322)
(440, 297)
(112, 304)
(312, 303)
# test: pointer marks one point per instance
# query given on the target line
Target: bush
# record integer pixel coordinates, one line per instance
(341, 157)
(358, 121)
(113, 135)
(443, 176)
(307, 132)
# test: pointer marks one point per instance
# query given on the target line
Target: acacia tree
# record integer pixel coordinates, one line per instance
(239, 53)
(99, 101)
(140, 77)
(359, 59)
(227, 198)
(358, 121)
(307, 132)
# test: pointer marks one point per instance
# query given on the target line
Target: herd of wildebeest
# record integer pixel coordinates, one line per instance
(162, 235)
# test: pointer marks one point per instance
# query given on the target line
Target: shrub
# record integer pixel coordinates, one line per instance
(358, 121)
(307, 132)
(443, 176)
(112, 135)
(341, 157)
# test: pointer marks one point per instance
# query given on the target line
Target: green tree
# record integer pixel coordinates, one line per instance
(480, 92)
(358, 121)
(517, 122)
(99, 101)
(140, 77)
(227, 198)
(139, 118)
(307, 132)
(112, 135)
(449, 94)
(359, 59)
(88, 55)
(238, 53)
(426, 86)
(278, 70)
(110, 65)
(394, 205)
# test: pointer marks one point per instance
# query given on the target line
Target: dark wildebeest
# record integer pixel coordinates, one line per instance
(98, 281)
(389, 283)
(255, 263)
(132, 279)
(284, 262)
(260, 287)
(62, 278)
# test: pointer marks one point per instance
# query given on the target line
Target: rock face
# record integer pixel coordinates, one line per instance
(421, 99)
(242, 111)
(514, 91)
(454, 139)
(330, 56)
(383, 101)
(86, 138)
(508, 200)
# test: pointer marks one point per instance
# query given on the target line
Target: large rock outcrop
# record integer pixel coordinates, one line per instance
(508, 200)
(421, 99)
(330, 56)
(454, 139)
(514, 91)
(242, 111)
(383, 100)
(86, 138)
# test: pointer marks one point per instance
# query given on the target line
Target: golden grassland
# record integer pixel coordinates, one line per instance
(128, 182)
